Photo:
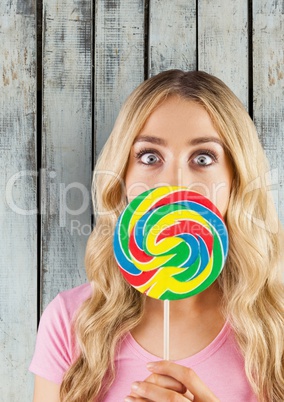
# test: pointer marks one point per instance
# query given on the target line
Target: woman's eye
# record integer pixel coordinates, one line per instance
(203, 160)
(147, 157)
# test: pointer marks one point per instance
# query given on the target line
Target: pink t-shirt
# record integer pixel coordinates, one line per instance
(219, 365)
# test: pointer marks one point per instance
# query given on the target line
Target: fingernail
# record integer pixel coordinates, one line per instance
(128, 399)
(150, 366)
(135, 386)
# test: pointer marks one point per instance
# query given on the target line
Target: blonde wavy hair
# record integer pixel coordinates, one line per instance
(251, 281)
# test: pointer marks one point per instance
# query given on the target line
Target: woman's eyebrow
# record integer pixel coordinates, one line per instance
(150, 138)
(161, 141)
(202, 140)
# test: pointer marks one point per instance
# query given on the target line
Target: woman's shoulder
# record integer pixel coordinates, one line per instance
(68, 301)
(55, 345)
(75, 295)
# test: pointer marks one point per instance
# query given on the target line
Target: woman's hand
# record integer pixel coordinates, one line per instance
(171, 382)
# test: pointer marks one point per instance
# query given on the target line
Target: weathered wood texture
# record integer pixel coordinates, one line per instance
(119, 60)
(268, 88)
(223, 42)
(66, 143)
(128, 36)
(18, 185)
(172, 35)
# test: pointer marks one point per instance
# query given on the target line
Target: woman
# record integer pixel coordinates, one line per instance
(187, 129)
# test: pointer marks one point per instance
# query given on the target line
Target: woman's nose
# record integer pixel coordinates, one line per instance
(175, 176)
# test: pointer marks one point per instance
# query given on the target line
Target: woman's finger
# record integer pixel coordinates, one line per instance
(170, 383)
(147, 391)
(131, 398)
(185, 376)
(166, 382)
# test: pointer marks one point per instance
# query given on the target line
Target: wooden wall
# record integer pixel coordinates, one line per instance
(66, 67)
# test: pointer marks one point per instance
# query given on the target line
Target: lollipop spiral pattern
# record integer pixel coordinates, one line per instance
(170, 243)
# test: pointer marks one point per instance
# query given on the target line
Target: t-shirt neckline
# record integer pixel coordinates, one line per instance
(193, 360)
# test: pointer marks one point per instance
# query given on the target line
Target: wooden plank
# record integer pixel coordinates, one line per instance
(119, 60)
(223, 42)
(172, 35)
(268, 88)
(18, 196)
(66, 143)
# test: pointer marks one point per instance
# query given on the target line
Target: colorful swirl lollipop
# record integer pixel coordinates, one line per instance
(170, 243)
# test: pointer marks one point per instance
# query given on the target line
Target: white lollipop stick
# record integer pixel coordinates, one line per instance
(166, 330)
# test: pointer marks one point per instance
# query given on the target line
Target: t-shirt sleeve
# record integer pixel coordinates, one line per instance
(54, 347)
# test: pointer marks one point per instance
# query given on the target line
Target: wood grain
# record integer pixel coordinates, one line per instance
(119, 60)
(172, 35)
(223, 42)
(66, 143)
(268, 88)
(18, 185)
(129, 36)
